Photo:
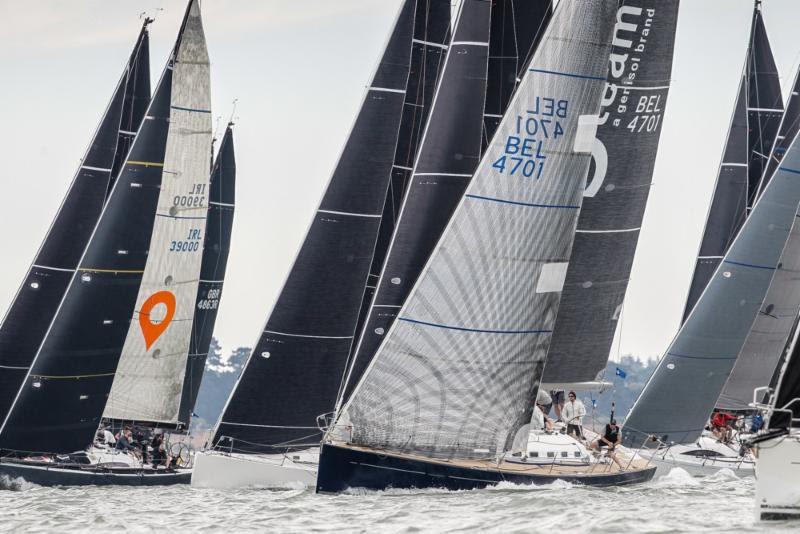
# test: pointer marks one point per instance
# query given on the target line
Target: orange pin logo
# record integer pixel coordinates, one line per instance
(152, 330)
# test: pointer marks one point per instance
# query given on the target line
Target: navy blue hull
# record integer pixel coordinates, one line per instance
(341, 468)
(88, 476)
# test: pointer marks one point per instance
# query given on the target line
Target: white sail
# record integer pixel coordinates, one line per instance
(457, 372)
(149, 378)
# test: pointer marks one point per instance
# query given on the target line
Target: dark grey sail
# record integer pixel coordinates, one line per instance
(680, 395)
(787, 388)
(759, 363)
(617, 189)
(222, 196)
(754, 127)
(449, 154)
(37, 299)
(61, 401)
(295, 370)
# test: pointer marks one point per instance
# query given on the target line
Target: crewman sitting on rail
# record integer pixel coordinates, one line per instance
(721, 425)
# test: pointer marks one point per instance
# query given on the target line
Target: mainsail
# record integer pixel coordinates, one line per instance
(221, 198)
(449, 154)
(35, 304)
(456, 371)
(62, 398)
(149, 378)
(624, 155)
(753, 130)
(303, 348)
(677, 400)
(758, 361)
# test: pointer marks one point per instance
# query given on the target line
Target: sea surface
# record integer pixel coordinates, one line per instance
(673, 503)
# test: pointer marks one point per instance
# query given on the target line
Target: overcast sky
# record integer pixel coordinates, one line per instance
(298, 70)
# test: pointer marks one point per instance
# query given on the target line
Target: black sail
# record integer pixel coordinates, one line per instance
(617, 189)
(222, 196)
(788, 384)
(754, 127)
(37, 300)
(456, 134)
(61, 401)
(295, 370)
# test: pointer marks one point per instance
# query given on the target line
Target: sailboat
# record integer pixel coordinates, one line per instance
(441, 402)
(778, 448)
(458, 131)
(56, 411)
(697, 373)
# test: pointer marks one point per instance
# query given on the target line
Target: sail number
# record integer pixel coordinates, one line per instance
(211, 302)
(648, 116)
(523, 152)
(190, 244)
(194, 199)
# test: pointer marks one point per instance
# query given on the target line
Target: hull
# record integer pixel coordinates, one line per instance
(225, 471)
(53, 475)
(696, 466)
(778, 478)
(343, 467)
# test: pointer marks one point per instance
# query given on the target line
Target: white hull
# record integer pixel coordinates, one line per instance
(778, 480)
(228, 471)
(697, 467)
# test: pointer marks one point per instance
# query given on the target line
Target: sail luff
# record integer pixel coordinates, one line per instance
(59, 406)
(457, 370)
(216, 247)
(449, 154)
(304, 345)
(35, 303)
(620, 178)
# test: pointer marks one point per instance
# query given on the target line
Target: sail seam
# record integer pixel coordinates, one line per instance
(619, 231)
(469, 43)
(430, 43)
(388, 90)
(306, 335)
(53, 268)
(752, 265)
(353, 214)
(568, 74)
(90, 168)
(476, 330)
(193, 110)
(700, 357)
(457, 175)
(516, 203)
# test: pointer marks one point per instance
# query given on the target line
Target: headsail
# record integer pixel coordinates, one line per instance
(754, 126)
(304, 346)
(624, 155)
(35, 304)
(449, 154)
(149, 378)
(677, 400)
(60, 403)
(457, 370)
(221, 199)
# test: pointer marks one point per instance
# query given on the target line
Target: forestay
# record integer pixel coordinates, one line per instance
(677, 400)
(35, 304)
(624, 155)
(458, 368)
(754, 126)
(149, 379)
(757, 364)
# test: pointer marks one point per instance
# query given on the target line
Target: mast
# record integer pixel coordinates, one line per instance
(35, 304)
(624, 155)
(303, 347)
(149, 378)
(678, 398)
(456, 372)
(62, 398)
(222, 197)
(753, 130)
(449, 154)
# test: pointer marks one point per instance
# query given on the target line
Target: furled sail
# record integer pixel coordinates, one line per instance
(149, 378)
(624, 155)
(303, 348)
(221, 199)
(63, 396)
(456, 371)
(758, 361)
(449, 154)
(677, 400)
(35, 304)
(754, 126)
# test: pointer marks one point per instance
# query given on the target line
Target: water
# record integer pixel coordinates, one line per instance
(674, 503)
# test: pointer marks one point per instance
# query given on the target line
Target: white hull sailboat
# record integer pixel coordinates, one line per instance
(778, 477)
(215, 469)
(705, 457)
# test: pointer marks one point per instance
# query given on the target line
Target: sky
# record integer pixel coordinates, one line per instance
(297, 71)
